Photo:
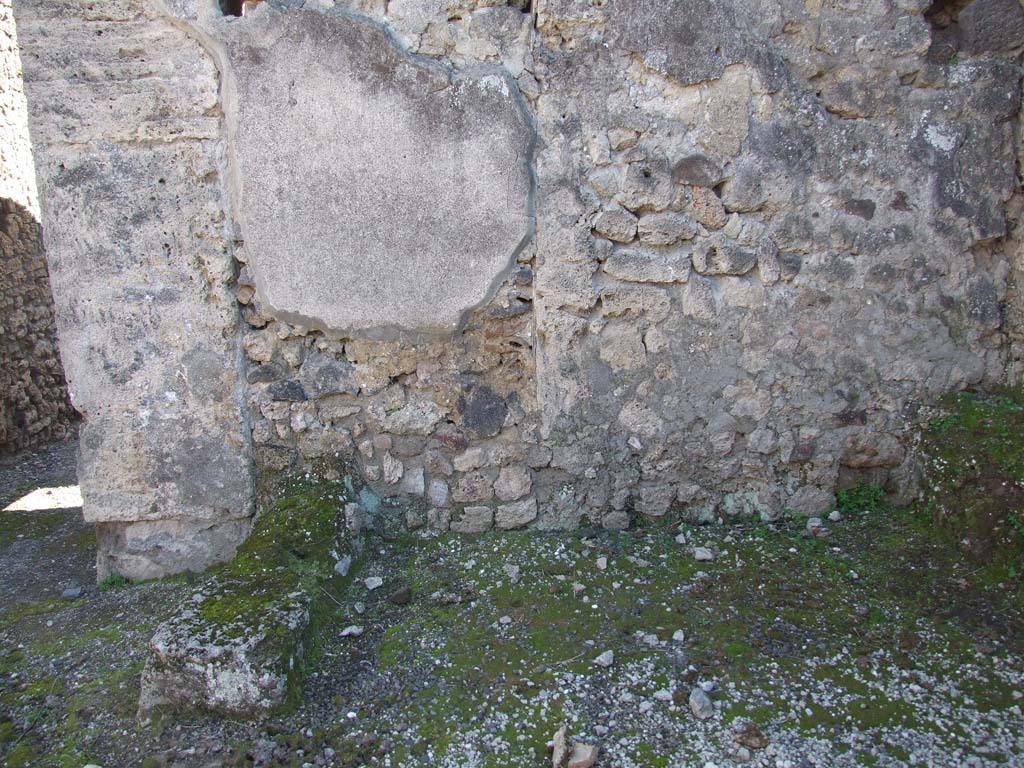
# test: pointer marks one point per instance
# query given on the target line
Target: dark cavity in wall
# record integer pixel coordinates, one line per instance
(231, 7)
(942, 16)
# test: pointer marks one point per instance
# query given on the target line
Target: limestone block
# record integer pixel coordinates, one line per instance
(698, 170)
(474, 520)
(641, 266)
(512, 483)
(516, 514)
(417, 417)
(720, 256)
(992, 25)
(151, 549)
(666, 228)
(323, 375)
(618, 225)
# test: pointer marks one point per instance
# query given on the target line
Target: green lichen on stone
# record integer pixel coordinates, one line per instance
(289, 551)
(257, 617)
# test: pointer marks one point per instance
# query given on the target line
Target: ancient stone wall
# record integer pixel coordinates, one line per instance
(34, 405)
(518, 265)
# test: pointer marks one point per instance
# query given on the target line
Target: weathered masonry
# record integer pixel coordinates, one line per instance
(34, 405)
(516, 265)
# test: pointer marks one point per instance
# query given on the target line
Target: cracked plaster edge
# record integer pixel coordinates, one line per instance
(202, 20)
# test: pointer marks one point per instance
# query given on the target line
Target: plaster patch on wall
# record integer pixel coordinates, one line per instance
(381, 194)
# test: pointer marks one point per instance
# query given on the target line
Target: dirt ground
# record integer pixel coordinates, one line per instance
(878, 644)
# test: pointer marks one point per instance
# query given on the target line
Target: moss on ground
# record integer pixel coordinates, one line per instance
(29, 525)
(887, 593)
(973, 460)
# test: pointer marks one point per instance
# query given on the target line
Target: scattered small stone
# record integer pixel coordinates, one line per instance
(402, 596)
(513, 573)
(652, 640)
(681, 538)
(559, 749)
(678, 636)
(606, 659)
(700, 704)
(71, 593)
(816, 528)
(601, 730)
(583, 756)
(342, 566)
(602, 563)
(373, 582)
(835, 516)
(741, 755)
(505, 620)
(353, 630)
(703, 553)
(359, 608)
(646, 706)
(749, 735)
(663, 695)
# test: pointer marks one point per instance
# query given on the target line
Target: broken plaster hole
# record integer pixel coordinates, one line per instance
(232, 7)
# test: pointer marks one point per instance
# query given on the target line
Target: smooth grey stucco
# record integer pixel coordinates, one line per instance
(377, 193)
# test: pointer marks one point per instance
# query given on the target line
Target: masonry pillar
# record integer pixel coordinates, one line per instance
(126, 127)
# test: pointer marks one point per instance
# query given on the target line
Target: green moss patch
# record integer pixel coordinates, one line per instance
(973, 458)
(866, 641)
(250, 632)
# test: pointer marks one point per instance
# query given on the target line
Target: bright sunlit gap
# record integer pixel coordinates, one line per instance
(64, 497)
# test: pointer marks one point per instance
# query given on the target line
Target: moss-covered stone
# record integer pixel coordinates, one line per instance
(241, 644)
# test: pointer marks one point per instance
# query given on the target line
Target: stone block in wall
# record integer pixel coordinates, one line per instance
(473, 520)
(518, 514)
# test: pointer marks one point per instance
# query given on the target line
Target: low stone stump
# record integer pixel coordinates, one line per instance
(241, 644)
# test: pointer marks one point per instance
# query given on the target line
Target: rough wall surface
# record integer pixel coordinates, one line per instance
(766, 233)
(127, 135)
(34, 406)
(833, 191)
